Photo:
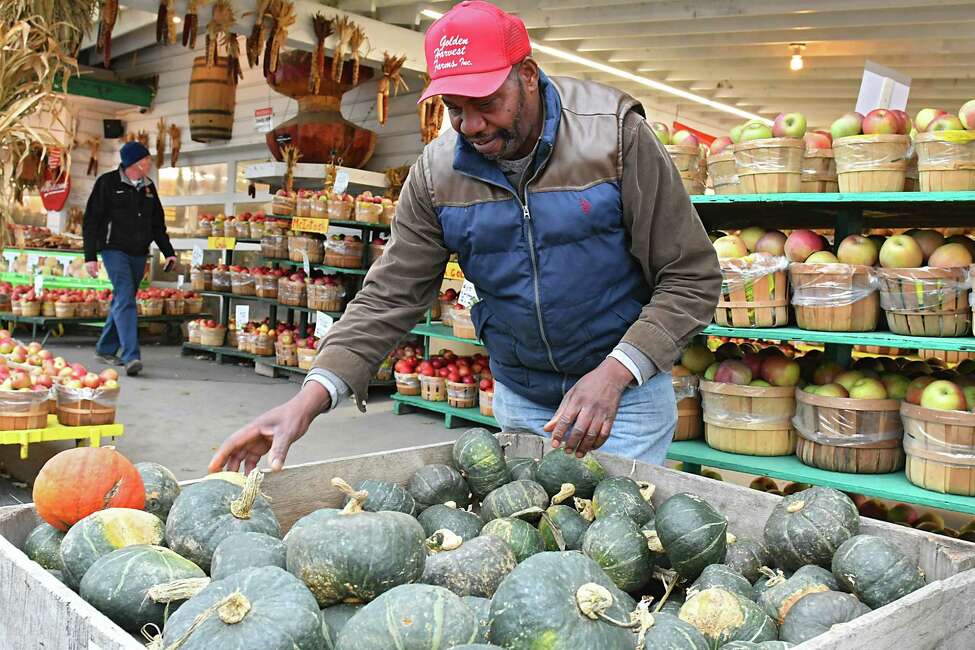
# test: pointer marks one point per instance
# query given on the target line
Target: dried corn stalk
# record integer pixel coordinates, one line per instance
(283, 16)
(143, 138)
(165, 27)
(218, 32)
(255, 42)
(191, 23)
(161, 142)
(323, 29)
(355, 45)
(331, 171)
(392, 82)
(291, 157)
(106, 23)
(395, 178)
(94, 146)
(344, 30)
(175, 141)
(431, 116)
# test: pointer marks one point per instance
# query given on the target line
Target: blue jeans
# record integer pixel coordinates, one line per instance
(644, 426)
(122, 327)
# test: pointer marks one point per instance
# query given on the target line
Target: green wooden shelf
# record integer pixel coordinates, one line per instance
(345, 223)
(442, 332)
(882, 339)
(268, 301)
(449, 412)
(222, 351)
(893, 486)
(321, 267)
(860, 198)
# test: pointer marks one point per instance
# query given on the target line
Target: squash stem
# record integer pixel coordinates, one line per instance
(356, 497)
(241, 506)
(185, 589)
(670, 588)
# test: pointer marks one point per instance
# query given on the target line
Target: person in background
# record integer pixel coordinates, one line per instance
(123, 217)
(592, 267)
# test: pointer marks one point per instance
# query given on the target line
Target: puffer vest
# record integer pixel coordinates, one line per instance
(558, 287)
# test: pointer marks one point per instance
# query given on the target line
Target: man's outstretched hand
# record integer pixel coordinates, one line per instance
(588, 410)
(274, 432)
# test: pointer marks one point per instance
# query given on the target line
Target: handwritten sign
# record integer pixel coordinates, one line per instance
(310, 224)
(341, 182)
(242, 314)
(323, 322)
(197, 257)
(453, 272)
(221, 243)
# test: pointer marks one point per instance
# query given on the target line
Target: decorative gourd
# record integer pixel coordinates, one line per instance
(807, 527)
(749, 645)
(334, 620)
(817, 613)
(130, 587)
(43, 545)
(265, 607)
(570, 523)
(723, 616)
(355, 556)
(668, 632)
(439, 484)
(512, 498)
(723, 576)
(693, 534)
(386, 495)
(466, 525)
(747, 555)
(102, 532)
(482, 612)
(77, 482)
(474, 568)
(616, 544)
(523, 469)
(620, 495)
(206, 513)
(779, 598)
(875, 570)
(161, 488)
(538, 606)
(246, 551)
(411, 617)
(480, 458)
(523, 538)
(558, 467)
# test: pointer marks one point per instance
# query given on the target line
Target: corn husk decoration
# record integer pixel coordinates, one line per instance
(161, 142)
(291, 157)
(431, 116)
(258, 35)
(143, 138)
(331, 171)
(130, 137)
(283, 15)
(106, 23)
(344, 30)
(392, 82)
(175, 141)
(323, 29)
(165, 27)
(94, 146)
(395, 178)
(355, 45)
(218, 32)
(191, 23)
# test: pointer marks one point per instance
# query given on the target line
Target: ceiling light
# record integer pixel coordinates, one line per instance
(177, 20)
(796, 63)
(629, 76)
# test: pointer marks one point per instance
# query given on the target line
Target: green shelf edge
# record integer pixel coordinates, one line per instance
(442, 332)
(340, 222)
(473, 415)
(224, 350)
(835, 197)
(320, 267)
(269, 301)
(893, 486)
(882, 339)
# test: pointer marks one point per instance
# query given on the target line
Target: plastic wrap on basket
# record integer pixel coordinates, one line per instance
(752, 158)
(919, 294)
(242, 283)
(857, 153)
(221, 281)
(748, 269)
(86, 406)
(301, 245)
(714, 414)
(918, 441)
(812, 291)
(274, 246)
(23, 409)
(954, 150)
(685, 387)
(845, 428)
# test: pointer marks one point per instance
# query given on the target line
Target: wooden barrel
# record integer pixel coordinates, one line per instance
(211, 101)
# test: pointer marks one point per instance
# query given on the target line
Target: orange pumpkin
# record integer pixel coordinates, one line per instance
(77, 482)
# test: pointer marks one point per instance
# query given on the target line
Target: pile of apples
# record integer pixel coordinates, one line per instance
(446, 364)
(681, 137)
(309, 342)
(367, 197)
(785, 125)
(32, 368)
(880, 121)
(260, 271)
(743, 365)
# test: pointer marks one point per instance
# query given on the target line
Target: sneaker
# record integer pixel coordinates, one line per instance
(108, 359)
(133, 368)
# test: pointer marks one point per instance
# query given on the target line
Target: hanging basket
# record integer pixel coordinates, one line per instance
(723, 172)
(946, 161)
(754, 292)
(872, 163)
(940, 448)
(927, 301)
(749, 420)
(834, 297)
(769, 166)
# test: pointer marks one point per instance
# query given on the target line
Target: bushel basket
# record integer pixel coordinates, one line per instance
(926, 301)
(819, 171)
(86, 406)
(751, 420)
(834, 297)
(754, 292)
(770, 165)
(690, 426)
(723, 172)
(872, 163)
(940, 447)
(946, 161)
(23, 409)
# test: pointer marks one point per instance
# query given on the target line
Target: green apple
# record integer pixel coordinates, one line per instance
(711, 371)
(895, 384)
(832, 390)
(848, 378)
(697, 357)
(755, 131)
(868, 388)
(944, 395)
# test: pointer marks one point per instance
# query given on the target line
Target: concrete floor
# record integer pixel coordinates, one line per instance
(181, 408)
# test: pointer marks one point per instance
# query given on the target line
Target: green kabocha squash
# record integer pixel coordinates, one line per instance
(807, 527)
(817, 613)
(523, 469)
(311, 520)
(722, 616)
(477, 646)
(767, 580)
(386, 495)
(246, 551)
(334, 620)
(135, 585)
(693, 534)
(616, 544)
(723, 576)
(206, 513)
(523, 538)
(102, 532)
(558, 468)
(570, 524)
(355, 556)
(468, 568)
(480, 458)
(749, 645)
(439, 484)
(57, 574)
(162, 488)
(43, 545)
(266, 608)
(482, 612)
(411, 617)
(672, 606)
(668, 632)
(620, 495)
(513, 498)
(875, 570)
(817, 572)
(747, 555)
(464, 524)
(781, 596)
(541, 604)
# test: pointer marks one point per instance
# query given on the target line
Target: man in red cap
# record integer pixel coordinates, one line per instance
(591, 267)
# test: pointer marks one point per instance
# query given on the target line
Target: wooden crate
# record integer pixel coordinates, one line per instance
(749, 420)
(834, 297)
(940, 448)
(38, 611)
(871, 163)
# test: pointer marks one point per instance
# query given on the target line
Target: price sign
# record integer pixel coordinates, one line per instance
(242, 314)
(468, 295)
(306, 265)
(11, 258)
(38, 283)
(310, 224)
(264, 120)
(341, 182)
(197, 257)
(453, 271)
(65, 262)
(323, 322)
(32, 260)
(221, 243)
(179, 281)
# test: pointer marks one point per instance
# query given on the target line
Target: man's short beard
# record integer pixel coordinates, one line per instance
(514, 137)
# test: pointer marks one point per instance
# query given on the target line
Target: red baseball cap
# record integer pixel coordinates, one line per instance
(471, 48)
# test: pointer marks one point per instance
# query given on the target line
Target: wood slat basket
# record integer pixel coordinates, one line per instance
(819, 171)
(23, 409)
(694, 182)
(948, 356)
(213, 336)
(433, 389)
(485, 402)
(946, 161)
(407, 383)
(686, 157)
(462, 324)
(754, 292)
(690, 425)
(723, 172)
(306, 357)
(834, 297)
(769, 166)
(86, 406)
(940, 448)
(749, 420)
(871, 163)
(461, 396)
(839, 434)
(926, 301)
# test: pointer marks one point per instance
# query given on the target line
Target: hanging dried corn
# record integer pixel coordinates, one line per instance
(291, 157)
(395, 178)
(161, 142)
(175, 141)
(143, 138)
(283, 14)
(355, 45)
(431, 116)
(392, 82)
(218, 32)
(323, 29)
(165, 27)
(191, 24)
(344, 29)
(331, 171)
(255, 42)
(106, 23)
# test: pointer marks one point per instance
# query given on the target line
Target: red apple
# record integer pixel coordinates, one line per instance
(815, 140)
(780, 371)
(733, 372)
(750, 236)
(772, 242)
(967, 114)
(720, 145)
(916, 389)
(926, 116)
(686, 138)
(880, 121)
(928, 240)
(950, 256)
(801, 244)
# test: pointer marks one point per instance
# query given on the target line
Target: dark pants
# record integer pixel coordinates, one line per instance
(122, 327)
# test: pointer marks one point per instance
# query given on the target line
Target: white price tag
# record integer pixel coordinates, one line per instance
(65, 262)
(10, 256)
(305, 264)
(179, 282)
(32, 260)
(468, 295)
(38, 283)
(197, 257)
(242, 314)
(264, 120)
(322, 323)
(341, 182)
